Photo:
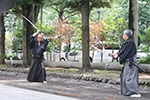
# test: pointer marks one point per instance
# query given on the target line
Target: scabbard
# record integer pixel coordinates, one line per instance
(138, 67)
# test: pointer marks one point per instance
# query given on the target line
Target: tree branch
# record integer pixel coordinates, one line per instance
(70, 16)
(55, 9)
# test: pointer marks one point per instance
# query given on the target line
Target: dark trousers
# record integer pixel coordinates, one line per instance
(37, 71)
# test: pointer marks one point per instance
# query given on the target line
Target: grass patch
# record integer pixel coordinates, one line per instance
(96, 72)
(62, 70)
(5, 65)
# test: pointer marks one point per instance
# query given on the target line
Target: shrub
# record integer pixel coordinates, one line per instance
(145, 60)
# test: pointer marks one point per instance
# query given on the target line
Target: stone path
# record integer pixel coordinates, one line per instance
(13, 93)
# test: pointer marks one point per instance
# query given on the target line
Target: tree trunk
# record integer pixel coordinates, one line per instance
(50, 56)
(86, 66)
(41, 14)
(133, 19)
(148, 49)
(112, 50)
(102, 53)
(54, 56)
(36, 12)
(60, 43)
(27, 32)
(68, 45)
(93, 55)
(61, 12)
(2, 40)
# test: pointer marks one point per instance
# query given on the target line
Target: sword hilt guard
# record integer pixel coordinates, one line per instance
(113, 57)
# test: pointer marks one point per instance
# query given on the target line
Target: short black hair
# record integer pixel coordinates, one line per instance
(128, 32)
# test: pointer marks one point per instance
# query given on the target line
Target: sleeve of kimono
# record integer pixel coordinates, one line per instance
(124, 52)
(32, 42)
(121, 50)
(45, 43)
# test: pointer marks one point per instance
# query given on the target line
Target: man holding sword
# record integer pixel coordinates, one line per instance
(37, 71)
(129, 74)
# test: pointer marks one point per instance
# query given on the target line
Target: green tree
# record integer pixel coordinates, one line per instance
(115, 28)
(85, 6)
(133, 19)
(145, 38)
(121, 9)
(2, 40)
(26, 8)
(17, 40)
(60, 6)
(144, 15)
(49, 32)
(8, 42)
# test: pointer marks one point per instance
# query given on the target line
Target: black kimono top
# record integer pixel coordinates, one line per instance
(127, 50)
(38, 49)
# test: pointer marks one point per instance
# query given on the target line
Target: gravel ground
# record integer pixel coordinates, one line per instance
(88, 90)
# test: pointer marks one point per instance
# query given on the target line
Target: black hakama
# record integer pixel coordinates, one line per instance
(37, 71)
(129, 74)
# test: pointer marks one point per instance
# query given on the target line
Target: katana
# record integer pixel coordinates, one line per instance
(137, 66)
(130, 63)
(97, 49)
(32, 24)
(29, 22)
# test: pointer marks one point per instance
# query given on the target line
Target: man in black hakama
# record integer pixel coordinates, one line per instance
(37, 71)
(129, 74)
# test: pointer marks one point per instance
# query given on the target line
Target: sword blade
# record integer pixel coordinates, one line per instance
(138, 67)
(29, 22)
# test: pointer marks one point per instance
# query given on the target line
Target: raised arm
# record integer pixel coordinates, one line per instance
(43, 36)
(45, 41)
(38, 31)
(32, 41)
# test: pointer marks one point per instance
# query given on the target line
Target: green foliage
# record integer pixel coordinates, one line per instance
(46, 29)
(50, 47)
(65, 48)
(49, 15)
(57, 4)
(7, 41)
(113, 29)
(17, 41)
(5, 65)
(144, 15)
(145, 60)
(17, 9)
(22, 2)
(117, 25)
(121, 9)
(60, 7)
(77, 38)
(145, 39)
(75, 5)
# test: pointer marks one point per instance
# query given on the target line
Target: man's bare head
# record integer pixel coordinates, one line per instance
(39, 38)
(127, 34)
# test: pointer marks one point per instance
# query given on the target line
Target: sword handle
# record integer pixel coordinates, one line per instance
(113, 56)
